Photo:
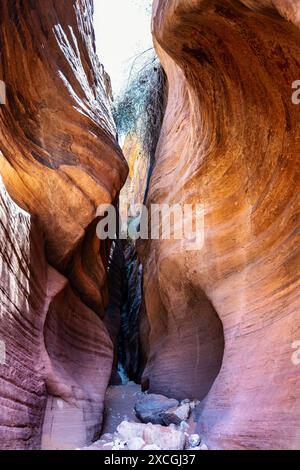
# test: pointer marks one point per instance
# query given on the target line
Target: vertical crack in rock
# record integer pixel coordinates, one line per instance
(131, 315)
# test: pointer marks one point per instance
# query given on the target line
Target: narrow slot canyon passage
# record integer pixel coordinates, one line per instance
(149, 219)
(188, 349)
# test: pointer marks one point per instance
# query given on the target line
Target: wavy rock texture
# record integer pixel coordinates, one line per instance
(230, 140)
(56, 123)
(59, 160)
(23, 393)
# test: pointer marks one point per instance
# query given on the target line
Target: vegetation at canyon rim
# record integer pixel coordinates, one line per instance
(139, 110)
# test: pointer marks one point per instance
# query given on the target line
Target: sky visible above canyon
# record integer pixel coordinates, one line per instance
(123, 31)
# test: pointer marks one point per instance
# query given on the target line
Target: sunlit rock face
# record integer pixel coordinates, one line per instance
(135, 187)
(59, 160)
(230, 140)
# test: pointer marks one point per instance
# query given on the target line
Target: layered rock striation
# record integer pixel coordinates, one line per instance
(59, 160)
(223, 319)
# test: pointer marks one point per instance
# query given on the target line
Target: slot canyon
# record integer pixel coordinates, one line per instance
(94, 333)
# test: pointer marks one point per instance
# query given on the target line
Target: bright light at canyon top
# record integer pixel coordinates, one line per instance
(123, 30)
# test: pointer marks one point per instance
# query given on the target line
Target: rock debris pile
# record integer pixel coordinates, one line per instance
(165, 425)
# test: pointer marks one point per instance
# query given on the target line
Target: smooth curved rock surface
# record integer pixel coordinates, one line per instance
(230, 140)
(76, 367)
(59, 156)
(59, 160)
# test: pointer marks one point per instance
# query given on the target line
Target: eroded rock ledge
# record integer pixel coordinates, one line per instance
(230, 140)
(59, 160)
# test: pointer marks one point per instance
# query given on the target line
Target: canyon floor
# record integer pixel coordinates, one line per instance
(119, 405)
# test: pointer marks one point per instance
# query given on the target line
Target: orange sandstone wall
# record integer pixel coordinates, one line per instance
(59, 160)
(230, 140)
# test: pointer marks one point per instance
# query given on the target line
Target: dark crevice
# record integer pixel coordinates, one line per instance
(122, 316)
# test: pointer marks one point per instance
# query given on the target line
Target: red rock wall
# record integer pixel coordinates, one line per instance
(230, 140)
(23, 308)
(59, 160)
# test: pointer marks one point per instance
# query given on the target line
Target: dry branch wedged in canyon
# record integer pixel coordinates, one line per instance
(59, 160)
(230, 140)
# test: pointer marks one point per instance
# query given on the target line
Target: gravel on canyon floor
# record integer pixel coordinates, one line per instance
(139, 421)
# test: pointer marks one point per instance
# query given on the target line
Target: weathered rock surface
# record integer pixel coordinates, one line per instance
(23, 393)
(150, 408)
(123, 431)
(134, 189)
(158, 409)
(54, 345)
(59, 160)
(77, 369)
(194, 440)
(177, 414)
(137, 443)
(230, 140)
(151, 447)
(59, 156)
(166, 438)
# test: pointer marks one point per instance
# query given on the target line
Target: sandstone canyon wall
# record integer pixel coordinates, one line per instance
(223, 319)
(135, 187)
(58, 160)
